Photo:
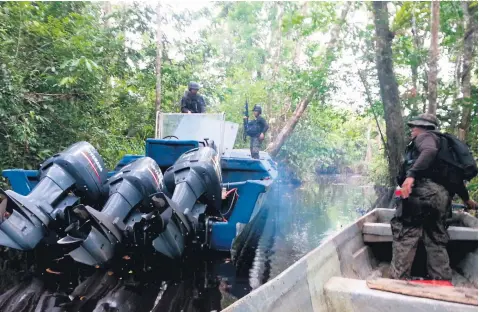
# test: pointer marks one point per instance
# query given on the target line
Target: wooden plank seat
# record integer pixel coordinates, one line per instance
(381, 232)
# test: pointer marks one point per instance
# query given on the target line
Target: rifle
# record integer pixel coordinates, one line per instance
(245, 120)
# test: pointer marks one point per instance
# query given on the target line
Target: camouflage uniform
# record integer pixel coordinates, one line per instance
(422, 215)
(255, 146)
(255, 128)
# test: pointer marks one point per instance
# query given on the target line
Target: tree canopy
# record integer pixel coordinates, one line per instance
(72, 71)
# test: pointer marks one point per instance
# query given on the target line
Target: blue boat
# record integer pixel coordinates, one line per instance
(178, 137)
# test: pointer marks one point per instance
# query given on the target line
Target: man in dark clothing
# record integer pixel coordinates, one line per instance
(256, 130)
(192, 102)
(424, 207)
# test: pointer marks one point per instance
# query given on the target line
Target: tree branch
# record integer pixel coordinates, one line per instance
(275, 146)
(369, 98)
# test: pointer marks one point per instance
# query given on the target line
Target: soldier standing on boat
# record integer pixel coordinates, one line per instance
(256, 130)
(425, 205)
(192, 102)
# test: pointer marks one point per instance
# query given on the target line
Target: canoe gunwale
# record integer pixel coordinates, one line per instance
(344, 254)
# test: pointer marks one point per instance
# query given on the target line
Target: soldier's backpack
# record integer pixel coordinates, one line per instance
(456, 162)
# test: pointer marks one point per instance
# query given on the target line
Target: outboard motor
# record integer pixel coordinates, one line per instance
(194, 182)
(130, 197)
(192, 185)
(77, 172)
(197, 173)
(140, 212)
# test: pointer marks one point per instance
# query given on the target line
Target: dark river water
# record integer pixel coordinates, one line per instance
(299, 219)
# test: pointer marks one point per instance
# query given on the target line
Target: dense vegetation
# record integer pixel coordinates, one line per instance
(73, 71)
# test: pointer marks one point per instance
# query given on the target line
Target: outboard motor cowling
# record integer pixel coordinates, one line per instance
(197, 173)
(77, 172)
(130, 191)
(194, 184)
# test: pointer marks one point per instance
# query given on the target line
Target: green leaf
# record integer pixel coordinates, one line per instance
(64, 81)
(88, 65)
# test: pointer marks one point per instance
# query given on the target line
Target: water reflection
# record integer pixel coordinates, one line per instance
(317, 209)
(300, 218)
(297, 220)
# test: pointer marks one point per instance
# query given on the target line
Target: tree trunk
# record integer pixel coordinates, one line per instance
(275, 146)
(158, 58)
(470, 42)
(389, 90)
(433, 58)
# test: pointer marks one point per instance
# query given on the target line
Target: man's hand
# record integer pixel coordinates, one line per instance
(471, 204)
(244, 117)
(406, 187)
(189, 112)
(261, 136)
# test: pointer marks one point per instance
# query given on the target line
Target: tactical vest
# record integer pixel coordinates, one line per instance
(193, 103)
(253, 128)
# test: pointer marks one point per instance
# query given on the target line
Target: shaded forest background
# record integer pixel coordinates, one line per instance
(337, 81)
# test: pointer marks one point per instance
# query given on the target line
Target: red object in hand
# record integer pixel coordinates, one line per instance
(433, 282)
(397, 193)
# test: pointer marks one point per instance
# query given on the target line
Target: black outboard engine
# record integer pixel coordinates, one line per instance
(197, 173)
(194, 182)
(130, 196)
(140, 212)
(77, 172)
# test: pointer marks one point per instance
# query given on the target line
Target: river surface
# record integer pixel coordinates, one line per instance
(299, 219)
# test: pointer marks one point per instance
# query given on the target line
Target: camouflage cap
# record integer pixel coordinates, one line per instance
(424, 120)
